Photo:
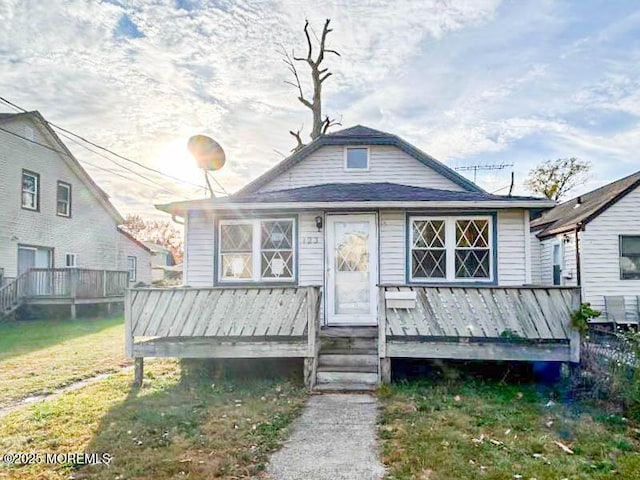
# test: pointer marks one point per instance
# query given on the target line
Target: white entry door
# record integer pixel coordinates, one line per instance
(352, 269)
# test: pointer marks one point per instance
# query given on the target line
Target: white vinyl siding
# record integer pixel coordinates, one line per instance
(392, 247)
(129, 248)
(536, 261)
(568, 271)
(600, 252)
(511, 247)
(199, 249)
(311, 250)
(386, 164)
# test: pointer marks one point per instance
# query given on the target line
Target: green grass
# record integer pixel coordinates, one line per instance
(486, 429)
(173, 427)
(39, 356)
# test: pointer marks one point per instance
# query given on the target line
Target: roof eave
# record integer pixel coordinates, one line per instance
(180, 208)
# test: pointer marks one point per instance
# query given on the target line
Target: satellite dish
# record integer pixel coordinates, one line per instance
(208, 153)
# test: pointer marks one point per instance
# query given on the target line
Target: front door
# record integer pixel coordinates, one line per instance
(352, 269)
(558, 260)
(36, 257)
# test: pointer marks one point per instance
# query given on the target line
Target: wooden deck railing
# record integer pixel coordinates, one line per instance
(75, 283)
(12, 293)
(507, 323)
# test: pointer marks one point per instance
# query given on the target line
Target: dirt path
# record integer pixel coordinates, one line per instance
(5, 410)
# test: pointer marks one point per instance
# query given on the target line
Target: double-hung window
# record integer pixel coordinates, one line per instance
(30, 192)
(132, 268)
(451, 249)
(256, 250)
(630, 257)
(63, 207)
(70, 260)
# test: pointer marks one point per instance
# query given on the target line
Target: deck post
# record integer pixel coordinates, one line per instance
(574, 334)
(138, 372)
(311, 360)
(104, 283)
(384, 363)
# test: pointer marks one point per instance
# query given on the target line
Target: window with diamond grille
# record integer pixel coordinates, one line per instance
(450, 248)
(276, 250)
(472, 255)
(256, 250)
(428, 253)
(236, 251)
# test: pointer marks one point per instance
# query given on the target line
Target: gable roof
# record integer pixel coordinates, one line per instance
(36, 118)
(340, 195)
(360, 135)
(134, 239)
(582, 209)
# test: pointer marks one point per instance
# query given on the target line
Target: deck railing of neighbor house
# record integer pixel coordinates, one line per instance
(225, 322)
(63, 286)
(478, 323)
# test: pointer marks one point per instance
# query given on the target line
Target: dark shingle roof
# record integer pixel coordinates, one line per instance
(360, 135)
(364, 192)
(584, 208)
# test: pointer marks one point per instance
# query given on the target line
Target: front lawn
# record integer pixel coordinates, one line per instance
(175, 426)
(38, 356)
(488, 429)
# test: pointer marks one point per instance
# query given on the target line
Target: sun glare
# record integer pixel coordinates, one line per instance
(174, 159)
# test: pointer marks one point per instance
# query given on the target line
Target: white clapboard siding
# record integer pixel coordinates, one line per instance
(511, 247)
(568, 274)
(600, 252)
(310, 250)
(386, 164)
(199, 250)
(536, 266)
(392, 247)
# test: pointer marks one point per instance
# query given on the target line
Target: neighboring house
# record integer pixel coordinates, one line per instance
(356, 249)
(137, 257)
(592, 241)
(162, 263)
(53, 214)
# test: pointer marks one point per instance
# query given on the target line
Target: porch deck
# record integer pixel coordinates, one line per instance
(480, 323)
(63, 286)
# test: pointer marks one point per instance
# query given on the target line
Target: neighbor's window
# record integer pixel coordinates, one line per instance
(30, 190)
(70, 260)
(132, 268)
(64, 199)
(256, 250)
(630, 257)
(356, 158)
(451, 249)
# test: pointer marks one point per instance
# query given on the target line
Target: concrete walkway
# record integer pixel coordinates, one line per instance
(334, 438)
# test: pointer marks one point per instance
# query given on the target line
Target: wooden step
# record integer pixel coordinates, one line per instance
(326, 359)
(332, 343)
(349, 368)
(349, 351)
(333, 377)
(349, 332)
(344, 387)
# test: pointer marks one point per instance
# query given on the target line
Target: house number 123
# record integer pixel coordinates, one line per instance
(310, 240)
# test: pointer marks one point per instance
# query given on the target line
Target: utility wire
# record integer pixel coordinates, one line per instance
(60, 152)
(53, 125)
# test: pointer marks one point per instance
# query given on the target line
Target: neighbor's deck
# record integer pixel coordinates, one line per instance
(480, 323)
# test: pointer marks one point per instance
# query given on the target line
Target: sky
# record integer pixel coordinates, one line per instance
(474, 82)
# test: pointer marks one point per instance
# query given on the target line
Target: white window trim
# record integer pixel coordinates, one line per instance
(75, 260)
(135, 267)
(450, 248)
(256, 259)
(356, 147)
(36, 193)
(68, 201)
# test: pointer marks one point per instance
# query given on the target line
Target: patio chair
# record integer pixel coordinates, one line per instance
(616, 312)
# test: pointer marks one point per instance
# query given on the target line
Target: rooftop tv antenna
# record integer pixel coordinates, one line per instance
(475, 168)
(209, 156)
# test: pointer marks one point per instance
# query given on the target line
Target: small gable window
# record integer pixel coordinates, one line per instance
(356, 158)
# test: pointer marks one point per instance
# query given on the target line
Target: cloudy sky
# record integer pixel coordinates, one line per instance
(470, 82)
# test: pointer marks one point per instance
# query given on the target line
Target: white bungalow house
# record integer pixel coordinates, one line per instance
(593, 241)
(369, 244)
(56, 222)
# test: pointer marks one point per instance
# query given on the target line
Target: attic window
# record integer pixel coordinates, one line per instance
(356, 158)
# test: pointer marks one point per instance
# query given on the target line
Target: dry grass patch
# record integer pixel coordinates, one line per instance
(39, 356)
(486, 429)
(175, 426)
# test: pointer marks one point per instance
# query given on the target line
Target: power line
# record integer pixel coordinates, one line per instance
(53, 125)
(60, 152)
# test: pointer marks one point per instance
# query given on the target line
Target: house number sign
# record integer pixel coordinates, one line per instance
(311, 240)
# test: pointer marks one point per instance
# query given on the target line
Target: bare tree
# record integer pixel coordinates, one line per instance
(555, 178)
(319, 75)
